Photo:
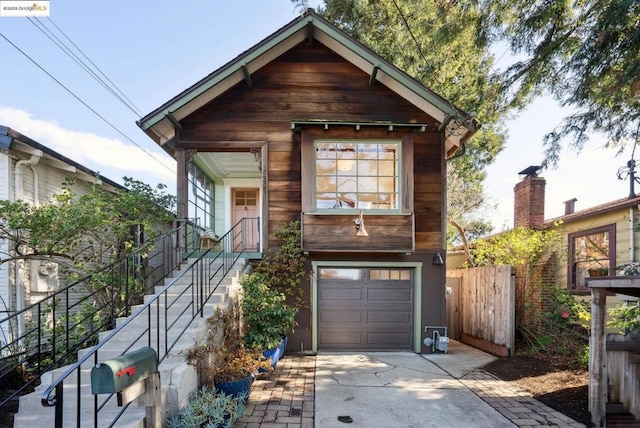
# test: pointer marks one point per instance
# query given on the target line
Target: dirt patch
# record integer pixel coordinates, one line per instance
(554, 380)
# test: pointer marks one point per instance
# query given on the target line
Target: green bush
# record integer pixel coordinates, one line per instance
(565, 309)
(625, 318)
(266, 313)
(285, 268)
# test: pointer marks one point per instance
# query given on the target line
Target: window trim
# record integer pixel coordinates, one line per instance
(398, 176)
(306, 138)
(571, 237)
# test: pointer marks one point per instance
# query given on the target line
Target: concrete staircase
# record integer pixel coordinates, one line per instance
(178, 378)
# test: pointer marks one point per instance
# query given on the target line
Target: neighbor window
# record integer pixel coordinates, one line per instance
(592, 253)
(357, 175)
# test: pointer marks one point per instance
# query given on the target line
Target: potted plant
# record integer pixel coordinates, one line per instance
(234, 370)
(598, 271)
(209, 408)
(221, 360)
(268, 318)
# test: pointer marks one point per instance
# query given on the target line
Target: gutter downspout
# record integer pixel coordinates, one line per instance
(18, 184)
(458, 153)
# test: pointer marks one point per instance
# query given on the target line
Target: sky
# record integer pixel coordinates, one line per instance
(153, 51)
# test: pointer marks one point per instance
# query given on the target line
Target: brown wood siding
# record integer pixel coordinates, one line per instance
(428, 177)
(387, 233)
(312, 82)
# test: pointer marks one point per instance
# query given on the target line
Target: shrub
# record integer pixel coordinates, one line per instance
(565, 309)
(284, 269)
(625, 317)
(209, 408)
(266, 314)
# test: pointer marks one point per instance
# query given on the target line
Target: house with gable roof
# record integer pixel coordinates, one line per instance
(32, 172)
(311, 125)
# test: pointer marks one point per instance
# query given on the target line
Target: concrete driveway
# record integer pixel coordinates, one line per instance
(382, 389)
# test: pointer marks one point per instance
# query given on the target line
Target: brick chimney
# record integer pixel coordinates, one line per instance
(528, 198)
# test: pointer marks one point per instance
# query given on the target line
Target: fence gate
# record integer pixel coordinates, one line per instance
(481, 308)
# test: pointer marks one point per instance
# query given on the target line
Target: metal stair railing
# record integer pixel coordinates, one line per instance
(57, 326)
(204, 276)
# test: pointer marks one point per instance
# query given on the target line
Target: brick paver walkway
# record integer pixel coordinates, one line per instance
(285, 398)
(515, 404)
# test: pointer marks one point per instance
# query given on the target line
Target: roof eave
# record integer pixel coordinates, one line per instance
(159, 124)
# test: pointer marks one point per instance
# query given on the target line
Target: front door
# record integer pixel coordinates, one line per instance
(245, 205)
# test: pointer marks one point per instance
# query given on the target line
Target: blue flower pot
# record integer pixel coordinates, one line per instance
(276, 353)
(236, 388)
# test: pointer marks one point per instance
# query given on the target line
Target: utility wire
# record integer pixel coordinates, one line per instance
(137, 110)
(120, 95)
(424, 58)
(84, 103)
(112, 88)
(415, 40)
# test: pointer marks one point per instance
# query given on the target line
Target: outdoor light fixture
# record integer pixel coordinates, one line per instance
(437, 259)
(360, 230)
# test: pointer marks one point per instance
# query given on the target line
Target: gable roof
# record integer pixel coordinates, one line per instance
(597, 210)
(13, 140)
(160, 124)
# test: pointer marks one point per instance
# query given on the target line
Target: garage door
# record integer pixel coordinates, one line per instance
(365, 309)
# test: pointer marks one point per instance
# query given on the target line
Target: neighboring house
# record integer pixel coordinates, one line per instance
(595, 240)
(32, 172)
(311, 125)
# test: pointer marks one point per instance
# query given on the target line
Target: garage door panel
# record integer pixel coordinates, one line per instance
(341, 294)
(390, 294)
(336, 316)
(392, 317)
(340, 339)
(387, 340)
(365, 314)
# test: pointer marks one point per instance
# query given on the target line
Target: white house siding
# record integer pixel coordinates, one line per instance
(37, 283)
(220, 209)
(5, 183)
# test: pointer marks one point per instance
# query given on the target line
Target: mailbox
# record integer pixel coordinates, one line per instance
(111, 376)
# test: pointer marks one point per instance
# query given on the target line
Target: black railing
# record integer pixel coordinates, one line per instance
(53, 330)
(159, 323)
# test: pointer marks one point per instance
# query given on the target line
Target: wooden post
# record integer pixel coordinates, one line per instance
(182, 185)
(152, 401)
(598, 360)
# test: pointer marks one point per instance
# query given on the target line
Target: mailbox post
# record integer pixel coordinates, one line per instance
(130, 376)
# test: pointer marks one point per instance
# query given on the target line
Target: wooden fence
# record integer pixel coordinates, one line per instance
(481, 308)
(623, 371)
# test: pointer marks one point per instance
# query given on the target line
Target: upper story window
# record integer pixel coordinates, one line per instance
(592, 253)
(361, 175)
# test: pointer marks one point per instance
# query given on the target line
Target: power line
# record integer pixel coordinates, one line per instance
(137, 110)
(84, 103)
(424, 58)
(415, 40)
(112, 88)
